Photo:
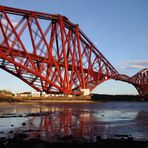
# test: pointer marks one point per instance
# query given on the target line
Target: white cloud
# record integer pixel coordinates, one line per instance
(137, 64)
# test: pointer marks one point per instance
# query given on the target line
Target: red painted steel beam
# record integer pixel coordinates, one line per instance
(52, 54)
(16, 53)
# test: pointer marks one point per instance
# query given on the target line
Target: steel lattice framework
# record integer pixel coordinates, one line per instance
(50, 53)
(140, 81)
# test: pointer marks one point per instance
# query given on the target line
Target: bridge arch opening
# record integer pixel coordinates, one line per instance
(12, 83)
(114, 87)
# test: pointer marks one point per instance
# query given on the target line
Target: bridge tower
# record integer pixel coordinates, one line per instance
(51, 54)
(140, 81)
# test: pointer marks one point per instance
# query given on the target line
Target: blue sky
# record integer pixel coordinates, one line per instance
(119, 29)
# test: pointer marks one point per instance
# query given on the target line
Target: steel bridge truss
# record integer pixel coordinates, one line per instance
(50, 53)
(140, 81)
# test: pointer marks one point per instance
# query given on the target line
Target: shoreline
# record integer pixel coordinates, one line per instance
(31, 100)
(74, 99)
(130, 98)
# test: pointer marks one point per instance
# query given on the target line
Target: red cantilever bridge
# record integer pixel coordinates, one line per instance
(51, 54)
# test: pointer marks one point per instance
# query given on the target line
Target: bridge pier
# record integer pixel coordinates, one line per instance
(85, 92)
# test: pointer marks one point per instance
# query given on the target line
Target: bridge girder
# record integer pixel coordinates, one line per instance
(140, 81)
(51, 54)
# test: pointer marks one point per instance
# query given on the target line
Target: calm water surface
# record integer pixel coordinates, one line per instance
(53, 121)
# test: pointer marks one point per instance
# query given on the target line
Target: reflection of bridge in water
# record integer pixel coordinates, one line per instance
(83, 125)
(61, 124)
(77, 121)
(51, 54)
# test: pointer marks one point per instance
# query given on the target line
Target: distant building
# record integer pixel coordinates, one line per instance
(35, 94)
(24, 94)
(32, 94)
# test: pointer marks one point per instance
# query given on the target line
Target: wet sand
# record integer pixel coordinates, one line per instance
(18, 141)
(96, 124)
